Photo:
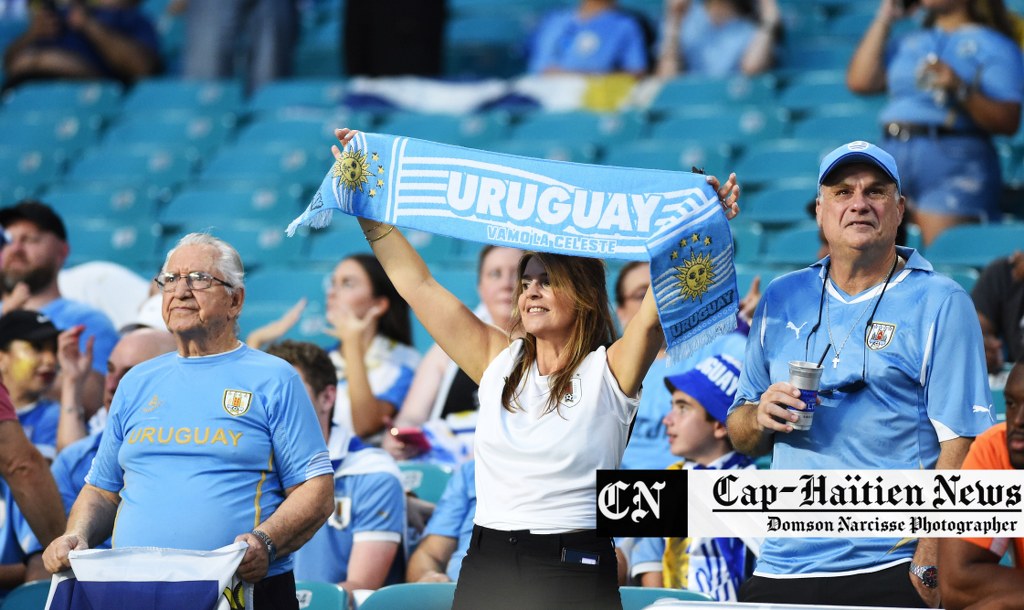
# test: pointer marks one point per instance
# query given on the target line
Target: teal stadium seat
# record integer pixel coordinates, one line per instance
(159, 170)
(579, 127)
(468, 130)
(342, 238)
(170, 95)
(290, 95)
(419, 595)
(975, 245)
(314, 133)
(793, 247)
(320, 596)
(553, 149)
(767, 163)
(85, 97)
(836, 125)
(637, 598)
(781, 205)
(258, 246)
(132, 244)
(427, 481)
(670, 154)
(748, 242)
(24, 173)
(814, 90)
(287, 284)
(690, 90)
(317, 55)
(486, 45)
(822, 54)
(295, 169)
(27, 596)
(259, 206)
(732, 125)
(100, 205)
(62, 132)
(198, 134)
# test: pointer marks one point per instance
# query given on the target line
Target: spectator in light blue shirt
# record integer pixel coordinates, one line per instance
(593, 38)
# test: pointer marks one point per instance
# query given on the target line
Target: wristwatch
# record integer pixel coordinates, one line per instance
(929, 575)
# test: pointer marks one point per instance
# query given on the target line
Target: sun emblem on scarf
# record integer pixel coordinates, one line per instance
(695, 276)
(353, 169)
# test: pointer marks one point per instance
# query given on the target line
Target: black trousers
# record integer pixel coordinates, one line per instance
(518, 570)
(888, 587)
(275, 593)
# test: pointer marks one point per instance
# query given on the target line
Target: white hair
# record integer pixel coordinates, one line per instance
(228, 263)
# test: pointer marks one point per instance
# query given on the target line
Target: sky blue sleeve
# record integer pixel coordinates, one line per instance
(378, 504)
(542, 51)
(755, 376)
(396, 393)
(1002, 77)
(62, 474)
(451, 509)
(300, 452)
(634, 58)
(105, 471)
(647, 550)
(27, 540)
(958, 347)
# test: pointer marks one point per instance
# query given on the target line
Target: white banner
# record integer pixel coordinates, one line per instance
(855, 503)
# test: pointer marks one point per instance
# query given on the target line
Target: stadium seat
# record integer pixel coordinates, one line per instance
(287, 284)
(470, 130)
(258, 246)
(553, 149)
(690, 90)
(159, 169)
(637, 598)
(62, 132)
(340, 239)
(975, 245)
(676, 154)
(298, 167)
(998, 407)
(782, 205)
(813, 90)
(765, 163)
(275, 133)
(196, 133)
(100, 205)
(132, 244)
(27, 596)
(839, 124)
(310, 327)
(84, 97)
(748, 242)
(796, 246)
(578, 127)
(169, 95)
(314, 595)
(283, 96)
(486, 45)
(427, 481)
(720, 124)
(226, 206)
(419, 595)
(24, 173)
(816, 55)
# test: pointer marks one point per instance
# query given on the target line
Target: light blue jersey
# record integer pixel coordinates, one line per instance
(979, 55)
(369, 505)
(65, 313)
(201, 449)
(648, 447)
(17, 541)
(926, 383)
(610, 41)
(713, 50)
(40, 421)
(453, 516)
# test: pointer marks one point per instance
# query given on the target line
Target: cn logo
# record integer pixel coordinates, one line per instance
(610, 505)
(641, 502)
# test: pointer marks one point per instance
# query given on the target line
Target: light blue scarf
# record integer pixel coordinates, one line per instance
(672, 219)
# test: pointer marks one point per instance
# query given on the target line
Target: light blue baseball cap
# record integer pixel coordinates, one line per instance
(859, 152)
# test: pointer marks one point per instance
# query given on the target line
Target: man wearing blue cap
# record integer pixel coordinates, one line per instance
(903, 384)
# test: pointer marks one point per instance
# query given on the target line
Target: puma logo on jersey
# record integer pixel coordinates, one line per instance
(796, 329)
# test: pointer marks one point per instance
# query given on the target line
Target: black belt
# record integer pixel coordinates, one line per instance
(905, 131)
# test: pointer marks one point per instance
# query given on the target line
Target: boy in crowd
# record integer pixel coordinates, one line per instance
(696, 432)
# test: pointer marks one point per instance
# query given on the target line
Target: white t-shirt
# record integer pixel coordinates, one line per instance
(537, 472)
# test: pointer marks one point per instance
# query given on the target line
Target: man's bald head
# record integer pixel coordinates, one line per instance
(134, 347)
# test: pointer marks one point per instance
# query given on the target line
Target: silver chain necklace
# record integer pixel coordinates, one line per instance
(838, 348)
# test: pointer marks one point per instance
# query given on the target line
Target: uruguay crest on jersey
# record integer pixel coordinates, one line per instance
(880, 334)
(236, 402)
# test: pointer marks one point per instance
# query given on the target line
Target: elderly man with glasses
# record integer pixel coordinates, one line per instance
(219, 442)
(903, 384)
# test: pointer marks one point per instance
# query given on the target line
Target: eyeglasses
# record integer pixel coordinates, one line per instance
(195, 280)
